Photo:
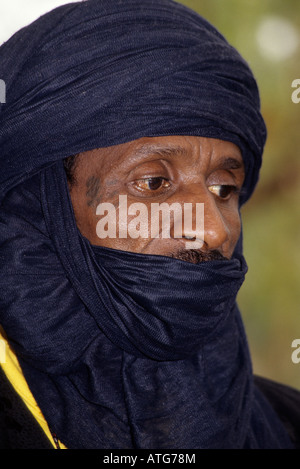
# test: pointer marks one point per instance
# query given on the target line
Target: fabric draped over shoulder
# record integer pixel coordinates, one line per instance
(118, 355)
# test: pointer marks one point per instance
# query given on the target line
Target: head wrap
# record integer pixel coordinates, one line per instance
(111, 363)
(100, 73)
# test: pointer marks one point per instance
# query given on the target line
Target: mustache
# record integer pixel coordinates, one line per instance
(195, 256)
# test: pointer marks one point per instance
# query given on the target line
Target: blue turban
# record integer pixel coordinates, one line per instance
(113, 364)
(100, 73)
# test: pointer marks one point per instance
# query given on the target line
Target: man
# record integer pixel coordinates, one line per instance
(121, 333)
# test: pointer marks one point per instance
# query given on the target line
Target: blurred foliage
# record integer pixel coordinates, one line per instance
(270, 297)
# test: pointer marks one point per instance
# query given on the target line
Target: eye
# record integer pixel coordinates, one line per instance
(223, 191)
(152, 184)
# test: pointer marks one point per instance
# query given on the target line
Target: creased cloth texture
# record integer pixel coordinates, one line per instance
(118, 356)
(142, 359)
(99, 73)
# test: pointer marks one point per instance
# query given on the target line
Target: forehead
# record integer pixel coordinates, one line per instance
(189, 148)
(175, 148)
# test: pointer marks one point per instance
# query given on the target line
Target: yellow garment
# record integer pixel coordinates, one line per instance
(11, 367)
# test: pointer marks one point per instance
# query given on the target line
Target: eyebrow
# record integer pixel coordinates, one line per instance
(231, 163)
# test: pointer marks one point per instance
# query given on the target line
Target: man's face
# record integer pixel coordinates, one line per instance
(177, 169)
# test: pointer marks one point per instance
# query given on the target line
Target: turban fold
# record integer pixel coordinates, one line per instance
(123, 350)
(99, 73)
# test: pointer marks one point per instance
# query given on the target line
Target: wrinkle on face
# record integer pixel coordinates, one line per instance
(192, 165)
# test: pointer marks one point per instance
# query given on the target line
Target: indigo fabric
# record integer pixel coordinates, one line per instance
(123, 350)
(98, 73)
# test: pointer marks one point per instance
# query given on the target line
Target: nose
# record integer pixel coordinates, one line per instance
(213, 232)
(216, 230)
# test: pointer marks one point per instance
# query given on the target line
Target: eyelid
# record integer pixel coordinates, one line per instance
(156, 167)
(234, 176)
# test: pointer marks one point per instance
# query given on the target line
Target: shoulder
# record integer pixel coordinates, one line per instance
(285, 400)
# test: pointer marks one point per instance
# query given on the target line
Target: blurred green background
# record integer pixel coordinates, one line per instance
(267, 34)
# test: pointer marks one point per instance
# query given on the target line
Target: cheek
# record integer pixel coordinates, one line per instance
(85, 216)
(233, 221)
(125, 228)
(104, 229)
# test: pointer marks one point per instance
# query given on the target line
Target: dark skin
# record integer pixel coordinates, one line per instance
(163, 169)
